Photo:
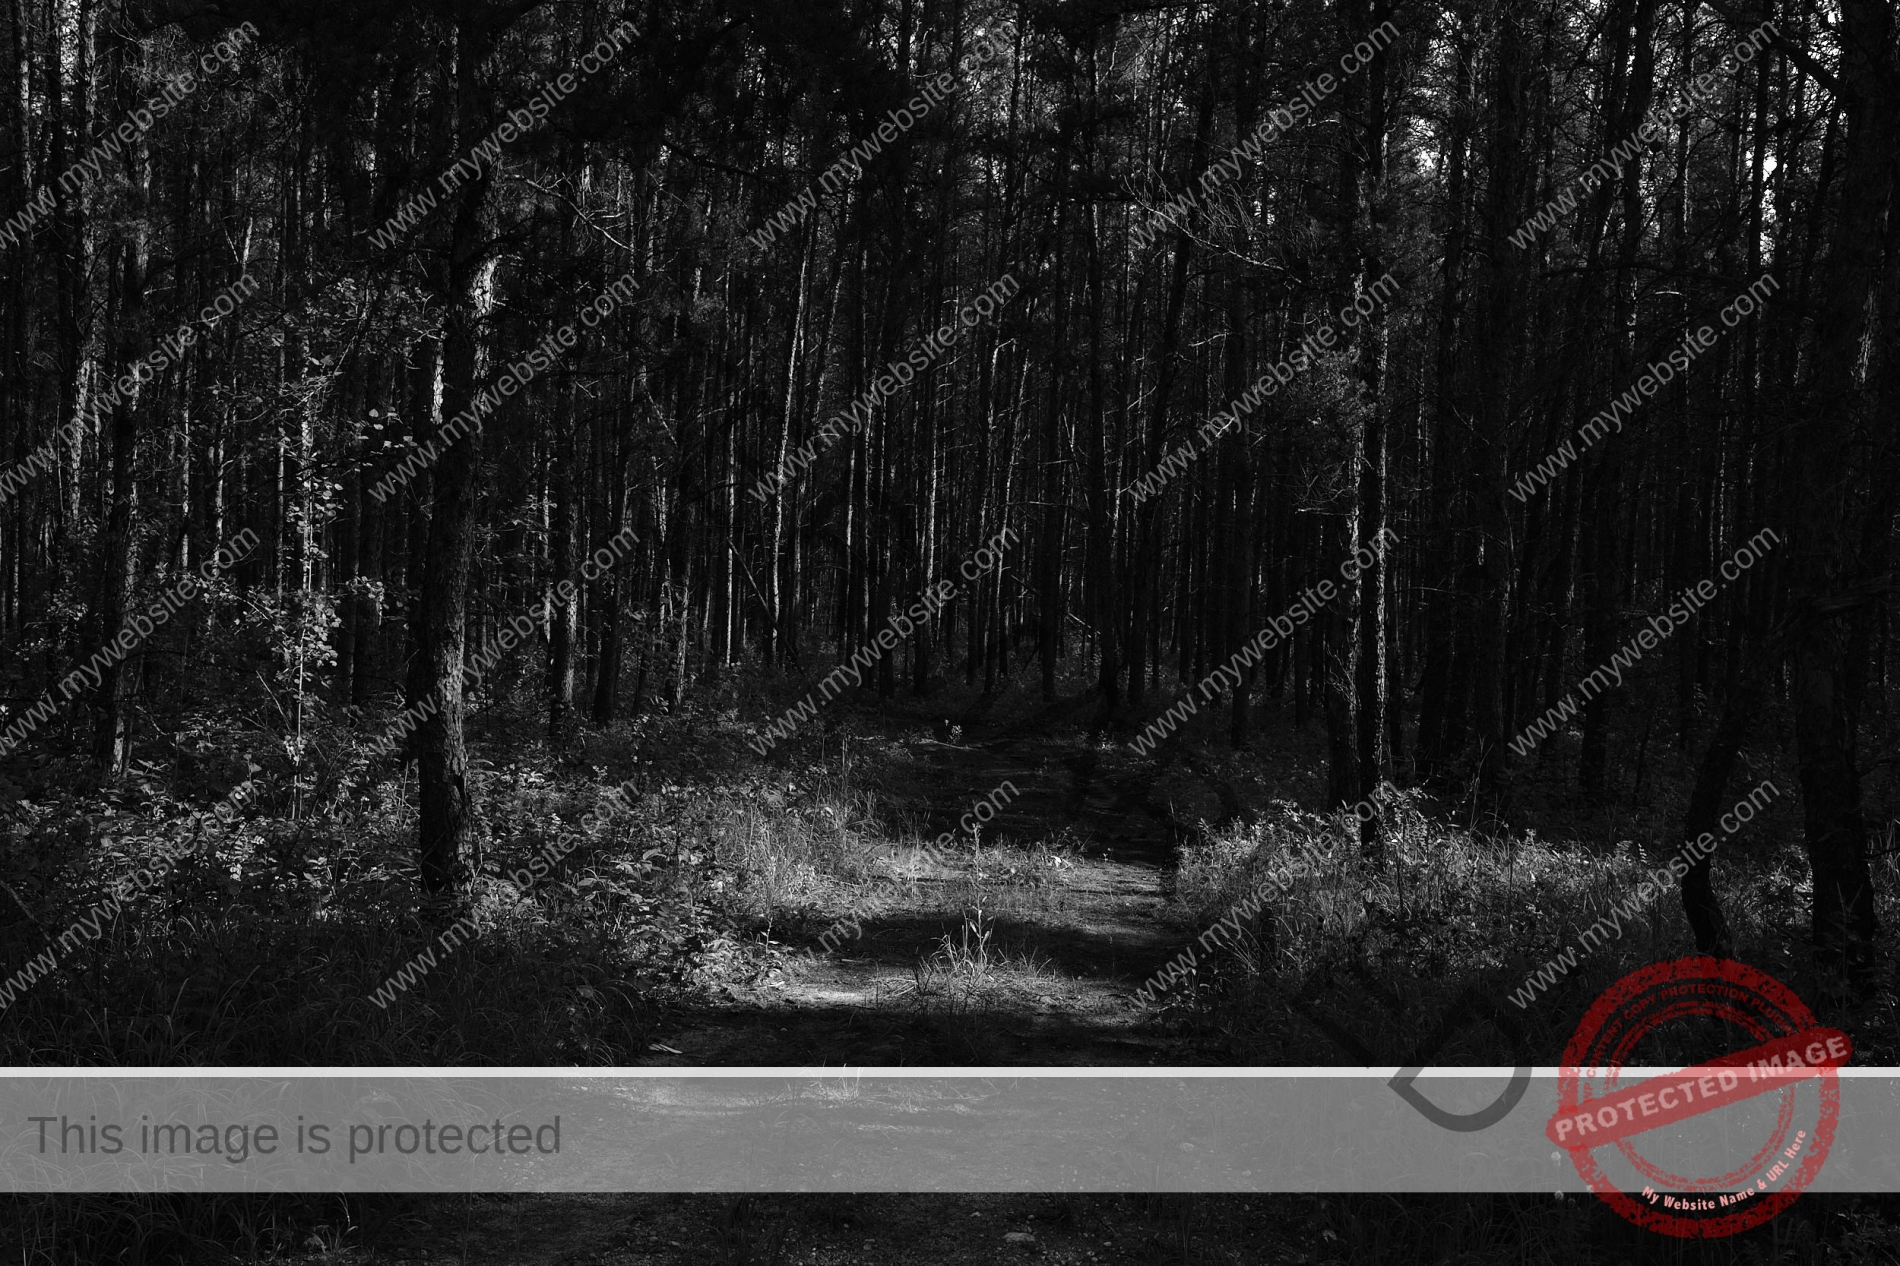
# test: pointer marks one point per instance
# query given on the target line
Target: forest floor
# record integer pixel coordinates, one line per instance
(691, 927)
(1027, 944)
(689, 932)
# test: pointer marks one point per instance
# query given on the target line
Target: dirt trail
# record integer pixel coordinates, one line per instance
(1073, 929)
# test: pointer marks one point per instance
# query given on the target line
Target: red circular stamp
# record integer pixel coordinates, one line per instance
(1600, 1119)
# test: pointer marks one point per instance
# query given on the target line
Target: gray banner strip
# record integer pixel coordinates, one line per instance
(870, 1130)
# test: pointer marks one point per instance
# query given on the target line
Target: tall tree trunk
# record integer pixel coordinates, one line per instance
(1604, 572)
(1105, 604)
(119, 547)
(606, 592)
(1826, 505)
(1440, 712)
(1497, 350)
(1368, 219)
(468, 296)
(1049, 547)
(563, 612)
(1145, 586)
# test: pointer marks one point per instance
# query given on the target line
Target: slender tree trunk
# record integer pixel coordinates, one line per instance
(563, 612)
(1049, 548)
(606, 593)
(1368, 191)
(1440, 729)
(119, 549)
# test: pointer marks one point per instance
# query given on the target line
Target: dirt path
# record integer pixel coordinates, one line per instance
(1072, 882)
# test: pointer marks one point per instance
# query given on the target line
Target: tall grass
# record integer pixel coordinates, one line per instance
(794, 849)
(1448, 920)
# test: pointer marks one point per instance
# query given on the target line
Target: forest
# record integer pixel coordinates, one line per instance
(946, 532)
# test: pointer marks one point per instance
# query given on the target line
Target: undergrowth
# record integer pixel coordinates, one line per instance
(1359, 959)
(275, 937)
